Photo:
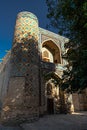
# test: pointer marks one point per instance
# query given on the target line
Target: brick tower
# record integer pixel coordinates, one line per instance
(22, 100)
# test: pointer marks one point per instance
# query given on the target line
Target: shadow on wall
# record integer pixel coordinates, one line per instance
(22, 101)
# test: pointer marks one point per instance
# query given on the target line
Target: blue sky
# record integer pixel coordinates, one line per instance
(8, 12)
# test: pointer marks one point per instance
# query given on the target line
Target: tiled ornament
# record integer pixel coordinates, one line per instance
(26, 26)
(25, 46)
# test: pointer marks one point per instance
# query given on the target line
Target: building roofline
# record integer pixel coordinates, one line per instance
(52, 34)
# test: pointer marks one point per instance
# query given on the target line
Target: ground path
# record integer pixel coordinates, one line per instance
(76, 121)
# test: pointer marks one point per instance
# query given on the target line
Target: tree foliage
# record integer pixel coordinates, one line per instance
(70, 18)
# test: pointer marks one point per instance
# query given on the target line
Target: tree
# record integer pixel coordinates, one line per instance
(70, 18)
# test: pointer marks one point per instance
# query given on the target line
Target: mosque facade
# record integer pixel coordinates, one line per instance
(25, 94)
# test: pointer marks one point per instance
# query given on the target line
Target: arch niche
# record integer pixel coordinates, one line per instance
(52, 93)
(53, 51)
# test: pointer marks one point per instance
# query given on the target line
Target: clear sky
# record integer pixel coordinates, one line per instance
(8, 12)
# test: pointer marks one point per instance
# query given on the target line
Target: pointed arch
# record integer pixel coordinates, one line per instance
(54, 49)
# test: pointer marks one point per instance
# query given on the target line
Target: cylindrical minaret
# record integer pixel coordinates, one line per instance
(22, 101)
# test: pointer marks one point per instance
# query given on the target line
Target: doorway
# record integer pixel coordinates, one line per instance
(50, 105)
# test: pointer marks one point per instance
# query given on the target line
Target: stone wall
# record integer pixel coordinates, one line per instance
(80, 101)
(4, 76)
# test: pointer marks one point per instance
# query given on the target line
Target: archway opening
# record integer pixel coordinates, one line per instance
(50, 99)
(47, 55)
(53, 52)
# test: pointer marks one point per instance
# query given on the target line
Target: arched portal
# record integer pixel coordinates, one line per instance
(55, 97)
(52, 97)
(53, 51)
